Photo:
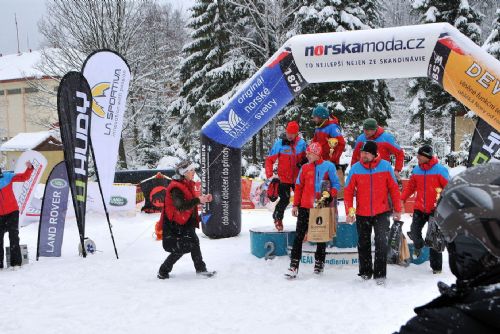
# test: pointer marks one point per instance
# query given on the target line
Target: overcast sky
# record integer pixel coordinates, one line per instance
(29, 12)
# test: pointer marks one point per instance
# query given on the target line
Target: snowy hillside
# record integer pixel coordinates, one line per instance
(100, 294)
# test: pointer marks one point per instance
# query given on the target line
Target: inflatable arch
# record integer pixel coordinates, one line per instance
(437, 50)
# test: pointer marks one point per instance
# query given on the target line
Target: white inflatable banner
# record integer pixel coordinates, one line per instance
(438, 51)
(108, 76)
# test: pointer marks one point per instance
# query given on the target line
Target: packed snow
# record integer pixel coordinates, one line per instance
(100, 294)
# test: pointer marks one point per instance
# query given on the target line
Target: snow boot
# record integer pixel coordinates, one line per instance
(278, 223)
(162, 276)
(417, 252)
(292, 272)
(436, 271)
(318, 267)
(206, 273)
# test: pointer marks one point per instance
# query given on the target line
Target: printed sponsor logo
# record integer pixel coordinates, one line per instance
(234, 126)
(118, 201)
(98, 93)
(380, 46)
(59, 183)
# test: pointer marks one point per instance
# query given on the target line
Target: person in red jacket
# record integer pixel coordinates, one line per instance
(180, 219)
(372, 180)
(428, 179)
(386, 144)
(308, 191)
(290, 152)
(9, 213)
(328, 134)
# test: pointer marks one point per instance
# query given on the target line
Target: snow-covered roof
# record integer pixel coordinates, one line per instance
(26, 141)
(19, 66)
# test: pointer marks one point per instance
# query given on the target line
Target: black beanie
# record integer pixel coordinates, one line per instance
(426, 151)
(370, 147)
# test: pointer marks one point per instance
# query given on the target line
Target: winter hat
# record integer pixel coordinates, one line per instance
(370, 124)
(292, 128)
(314, 148)
(184, 166)
(370, 147)
(426, 151)
(321, 111)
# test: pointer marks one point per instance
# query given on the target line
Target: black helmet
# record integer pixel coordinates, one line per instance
(468, 216)
(183, 166)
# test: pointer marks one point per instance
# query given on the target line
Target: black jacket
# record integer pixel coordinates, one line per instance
(459, 310)
(180, 238)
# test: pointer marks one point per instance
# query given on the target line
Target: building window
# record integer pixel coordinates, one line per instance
(13, 91)
(2, 92)
(30, 90)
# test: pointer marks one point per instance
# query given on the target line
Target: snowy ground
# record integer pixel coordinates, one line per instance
(100, 294)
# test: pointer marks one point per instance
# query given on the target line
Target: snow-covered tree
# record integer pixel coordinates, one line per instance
(492, 43)
(145, 33)
(209, 73)
(466, 19)
(351, 102)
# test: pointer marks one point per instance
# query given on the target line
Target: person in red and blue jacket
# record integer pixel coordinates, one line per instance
(372, 180)
(386, 144)
(328, 134)
(9, 213)
(309, 190)
(427, 179)
(290, 152)
(180, 219)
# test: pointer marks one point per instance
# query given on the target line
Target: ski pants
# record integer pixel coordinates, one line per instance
(417, 224)
(195, 251)
(10, 223)
(301, 230)
(284, 190)
(364, 225)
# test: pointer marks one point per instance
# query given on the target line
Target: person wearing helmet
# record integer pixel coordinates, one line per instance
(307, 192)
(428, 179)
(468, 217)
(289, 151)
(180, 219)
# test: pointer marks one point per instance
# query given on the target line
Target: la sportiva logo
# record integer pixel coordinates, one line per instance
(380, 46)
(234, 126)
(98, 93)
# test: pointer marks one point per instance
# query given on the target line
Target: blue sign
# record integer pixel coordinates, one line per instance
(262, 97)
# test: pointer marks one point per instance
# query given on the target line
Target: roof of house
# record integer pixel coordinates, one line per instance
(23, 65)
(30, 140)
(19, 66)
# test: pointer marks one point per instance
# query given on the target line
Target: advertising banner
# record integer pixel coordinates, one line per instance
(485, 144)
(53, 215)
(73, 106)
(108, 75)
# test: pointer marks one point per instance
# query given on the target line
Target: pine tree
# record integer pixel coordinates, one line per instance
(351, 102)
(492, 43)
(459, 14)
(209, 74)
